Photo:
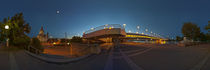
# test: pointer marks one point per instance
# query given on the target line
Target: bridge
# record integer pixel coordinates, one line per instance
(116, 32)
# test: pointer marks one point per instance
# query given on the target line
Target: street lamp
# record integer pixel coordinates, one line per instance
(124, 25)
(137, 32)
(7, 27)
(146, 30)
(92, 28)
(138, 28)
(129, 31)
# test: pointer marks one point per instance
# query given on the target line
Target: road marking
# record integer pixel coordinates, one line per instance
(13, 64)
(130, 62)
(109, 63)
(140, 52)
(201, 63)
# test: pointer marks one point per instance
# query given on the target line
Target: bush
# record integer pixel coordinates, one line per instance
(21, 42)
(36, 44)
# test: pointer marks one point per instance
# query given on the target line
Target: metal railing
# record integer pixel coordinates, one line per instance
(33, 50)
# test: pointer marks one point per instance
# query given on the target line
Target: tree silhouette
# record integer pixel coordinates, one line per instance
(17, 31)
(191, 31)
(208, 27)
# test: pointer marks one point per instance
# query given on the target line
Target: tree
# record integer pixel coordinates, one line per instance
(203, 37)
(208, 37)
(36, 44)
(178, 38)
(17, 31)
(208, 27)
(191, 31)
(76, 39)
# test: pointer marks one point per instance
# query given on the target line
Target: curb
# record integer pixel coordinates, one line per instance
(57, 61)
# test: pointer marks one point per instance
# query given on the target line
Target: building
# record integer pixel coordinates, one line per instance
(41, 36)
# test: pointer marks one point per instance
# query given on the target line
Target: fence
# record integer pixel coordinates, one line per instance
(33, 50)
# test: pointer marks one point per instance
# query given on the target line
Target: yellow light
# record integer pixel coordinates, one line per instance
(110, 27)
(68, 43)
(54, 42)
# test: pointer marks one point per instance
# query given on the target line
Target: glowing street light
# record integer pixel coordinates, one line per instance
(146, 30)
(137, 32)
(129, 31)
(142, 33)
(106, 25)
(7, 27)
(124, 25)
(92, 28)
(138, 27)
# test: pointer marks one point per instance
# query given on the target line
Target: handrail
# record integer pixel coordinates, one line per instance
(37, 51)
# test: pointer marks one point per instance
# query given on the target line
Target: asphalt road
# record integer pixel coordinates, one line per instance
(121, 57)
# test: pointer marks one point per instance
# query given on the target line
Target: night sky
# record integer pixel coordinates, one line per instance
(164, 17)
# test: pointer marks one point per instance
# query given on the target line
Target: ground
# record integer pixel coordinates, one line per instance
(121, 57)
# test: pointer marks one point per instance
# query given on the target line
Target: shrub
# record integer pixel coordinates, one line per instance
(36, 44)
(21, 42)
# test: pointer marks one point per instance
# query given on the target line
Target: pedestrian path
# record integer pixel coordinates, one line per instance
(118, 60)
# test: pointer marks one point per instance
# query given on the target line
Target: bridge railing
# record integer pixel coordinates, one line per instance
(107, 26)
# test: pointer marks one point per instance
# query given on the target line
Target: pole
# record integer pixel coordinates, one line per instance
(7, 42)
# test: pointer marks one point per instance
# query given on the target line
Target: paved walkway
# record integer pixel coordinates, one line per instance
(125, 57)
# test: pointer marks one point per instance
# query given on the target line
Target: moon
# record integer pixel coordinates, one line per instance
(57, 12)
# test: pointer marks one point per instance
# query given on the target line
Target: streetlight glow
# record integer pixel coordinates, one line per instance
(92, 28)
(129, 31)
(146, 30)
(124, 25)
(6, 27)
(138, 27)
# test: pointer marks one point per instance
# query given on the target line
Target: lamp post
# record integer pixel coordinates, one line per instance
(7, 27)
(129, 31)
(138, 27)
(151, 33)
(124, 25)
(146, 30)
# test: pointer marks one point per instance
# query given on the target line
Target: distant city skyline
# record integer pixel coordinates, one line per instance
(76, 16)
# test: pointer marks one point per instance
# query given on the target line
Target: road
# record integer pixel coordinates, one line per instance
(121, 57)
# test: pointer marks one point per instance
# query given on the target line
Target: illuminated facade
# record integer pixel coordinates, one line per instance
(41, 36)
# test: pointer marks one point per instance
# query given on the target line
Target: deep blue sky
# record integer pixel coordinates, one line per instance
(165, 17)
